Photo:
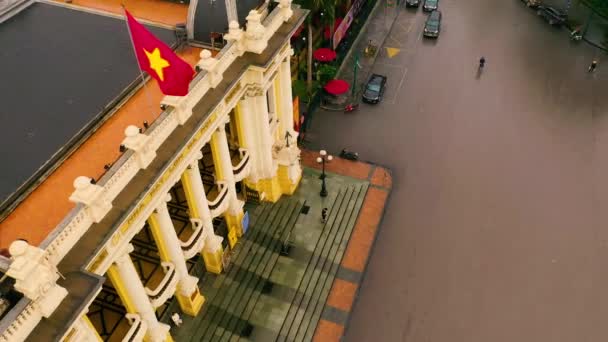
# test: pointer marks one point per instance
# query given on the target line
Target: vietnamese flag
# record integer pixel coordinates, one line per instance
(157, 59)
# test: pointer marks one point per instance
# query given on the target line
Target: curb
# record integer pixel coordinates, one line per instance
(360, 36)
(358, 39)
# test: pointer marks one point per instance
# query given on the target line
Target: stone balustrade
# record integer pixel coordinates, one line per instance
(167, 286)
(241, 170)
(196, 242)
(220, 203)
(138, 328)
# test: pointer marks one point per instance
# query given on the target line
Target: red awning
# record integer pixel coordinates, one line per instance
(326, 33)
(337, 87)
(324, 55)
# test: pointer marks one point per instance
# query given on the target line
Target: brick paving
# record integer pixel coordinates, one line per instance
(343, 293)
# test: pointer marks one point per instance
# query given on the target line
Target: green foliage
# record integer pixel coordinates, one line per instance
(326, 72)
(318, 6)
(598, 6)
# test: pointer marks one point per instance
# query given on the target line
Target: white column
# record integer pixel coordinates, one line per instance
(170, 243)
(221, 154)
(287, 100)
(231, 11)
(257, 133)
(199, 198)
(129, 280)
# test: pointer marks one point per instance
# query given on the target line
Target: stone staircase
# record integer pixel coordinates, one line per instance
(224, 316)
(309, 300)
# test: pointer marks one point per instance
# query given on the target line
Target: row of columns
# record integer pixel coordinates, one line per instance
(271, 174)
(253, 131)
(122, 272)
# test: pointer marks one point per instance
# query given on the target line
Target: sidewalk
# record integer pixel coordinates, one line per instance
(376, 29)
(345, 287)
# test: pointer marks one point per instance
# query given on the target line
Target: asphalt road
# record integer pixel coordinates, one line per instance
(496, 227)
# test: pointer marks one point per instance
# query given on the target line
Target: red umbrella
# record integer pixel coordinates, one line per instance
(324, 55)
(337, 87)
(326, 32)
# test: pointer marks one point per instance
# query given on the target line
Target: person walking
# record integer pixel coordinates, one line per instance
(592, 66)
(324, 215)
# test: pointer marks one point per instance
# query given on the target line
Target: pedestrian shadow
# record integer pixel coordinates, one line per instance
(478, 74)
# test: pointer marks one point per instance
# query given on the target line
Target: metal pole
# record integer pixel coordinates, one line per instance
(141, 72)
(355, 75)
(322, 176)
(323, 192)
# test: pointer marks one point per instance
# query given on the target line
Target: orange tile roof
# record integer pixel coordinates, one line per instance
(159, 11)
(47, 205)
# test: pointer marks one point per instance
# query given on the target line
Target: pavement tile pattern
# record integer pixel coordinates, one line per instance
(287, 280)
(344, 291)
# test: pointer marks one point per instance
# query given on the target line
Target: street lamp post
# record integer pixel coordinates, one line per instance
(324, 158)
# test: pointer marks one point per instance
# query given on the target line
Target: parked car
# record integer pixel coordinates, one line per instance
(412, 3)
(552, 15)
(430, 5)
(432, 26)
(532, 3)
(374, 89)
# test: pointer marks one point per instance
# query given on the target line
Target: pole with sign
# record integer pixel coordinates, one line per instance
(355, 67)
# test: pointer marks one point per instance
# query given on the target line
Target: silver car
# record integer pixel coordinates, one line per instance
(430, 5)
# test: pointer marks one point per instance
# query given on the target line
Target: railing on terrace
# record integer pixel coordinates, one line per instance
(241, 170)
(166, 288)
(194, 244)
(219, 204)
(138, 328)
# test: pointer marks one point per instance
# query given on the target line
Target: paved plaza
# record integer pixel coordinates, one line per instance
(294, 277)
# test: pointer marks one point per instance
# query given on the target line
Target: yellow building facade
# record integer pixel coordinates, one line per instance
(130, 241)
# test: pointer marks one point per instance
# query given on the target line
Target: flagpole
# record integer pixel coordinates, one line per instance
(141, 72)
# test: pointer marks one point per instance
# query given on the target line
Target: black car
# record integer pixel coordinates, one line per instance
(430, 5)
(552, 15)
(374, 89)
(412, 3)
(432, 26)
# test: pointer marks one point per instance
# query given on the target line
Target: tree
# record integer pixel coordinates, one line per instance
(598, 6)
(315, 6)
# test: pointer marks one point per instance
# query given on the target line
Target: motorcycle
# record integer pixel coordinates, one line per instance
(350, 108)
(576, 35)
(346, 154)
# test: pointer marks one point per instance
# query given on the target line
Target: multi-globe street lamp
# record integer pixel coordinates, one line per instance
(324, 158)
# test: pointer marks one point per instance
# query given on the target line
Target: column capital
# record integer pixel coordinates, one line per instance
(122, 254)
(254, 90)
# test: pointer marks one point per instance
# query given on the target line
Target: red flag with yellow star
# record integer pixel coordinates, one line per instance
(157, 59)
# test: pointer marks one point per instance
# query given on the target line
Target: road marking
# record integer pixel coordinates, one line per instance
(403, 70)
(392, 52)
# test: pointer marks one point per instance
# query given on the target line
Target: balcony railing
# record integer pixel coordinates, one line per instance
(166, 288)
(138, 328)
(196, 241)
(242, 169)
(219, 204)
(19, 321)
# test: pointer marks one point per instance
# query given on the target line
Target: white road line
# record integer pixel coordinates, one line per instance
(394, 99)
(391, 65)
